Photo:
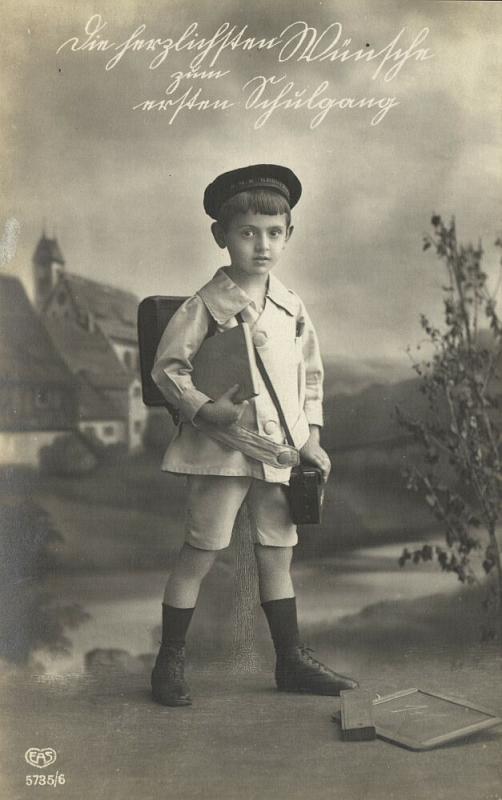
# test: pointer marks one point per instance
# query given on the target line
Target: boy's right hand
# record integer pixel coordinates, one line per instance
(223, 411)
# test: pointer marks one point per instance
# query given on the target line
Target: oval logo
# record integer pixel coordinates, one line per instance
(40, 757)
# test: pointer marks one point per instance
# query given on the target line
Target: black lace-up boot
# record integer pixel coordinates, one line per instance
(168, 680)
(298, 671)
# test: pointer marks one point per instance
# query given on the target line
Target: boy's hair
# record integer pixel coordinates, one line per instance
(259, 201)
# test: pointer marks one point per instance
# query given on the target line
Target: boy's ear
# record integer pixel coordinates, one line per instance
(289, 233)
(218, 232)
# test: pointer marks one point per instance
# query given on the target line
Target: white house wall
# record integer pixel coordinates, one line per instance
(107, 431)
(138, 413)
(127, 354)
(23, 447)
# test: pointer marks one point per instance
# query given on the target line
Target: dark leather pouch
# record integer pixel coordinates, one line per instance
(305, 494)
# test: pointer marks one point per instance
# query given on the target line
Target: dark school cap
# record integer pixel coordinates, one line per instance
(256, 176)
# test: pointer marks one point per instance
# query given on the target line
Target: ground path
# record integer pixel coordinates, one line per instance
(241, 739)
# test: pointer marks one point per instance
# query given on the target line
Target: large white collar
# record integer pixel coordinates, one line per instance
(224, 299)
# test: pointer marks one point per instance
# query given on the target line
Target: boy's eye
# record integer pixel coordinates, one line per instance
(247, 234)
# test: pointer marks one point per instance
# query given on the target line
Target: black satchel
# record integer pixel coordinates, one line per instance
(305, 494)
(154, 313)
(305, 491)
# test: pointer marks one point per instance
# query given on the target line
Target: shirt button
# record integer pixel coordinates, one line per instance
(270, 426)
(259, 338)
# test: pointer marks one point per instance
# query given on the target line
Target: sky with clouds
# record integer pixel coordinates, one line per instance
(123, 188)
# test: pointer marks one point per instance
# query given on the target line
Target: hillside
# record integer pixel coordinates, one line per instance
(348, 375)
(368, 417)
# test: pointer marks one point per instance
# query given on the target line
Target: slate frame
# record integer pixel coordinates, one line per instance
(427, 744)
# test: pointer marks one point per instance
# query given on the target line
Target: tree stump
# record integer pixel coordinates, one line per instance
(244, 656)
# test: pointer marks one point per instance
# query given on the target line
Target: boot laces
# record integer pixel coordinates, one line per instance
(173, 659)
(307, 653)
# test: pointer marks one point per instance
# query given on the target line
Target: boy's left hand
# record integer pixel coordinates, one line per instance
(313, 453)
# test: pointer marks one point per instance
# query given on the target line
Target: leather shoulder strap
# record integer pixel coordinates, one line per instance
(270, 388)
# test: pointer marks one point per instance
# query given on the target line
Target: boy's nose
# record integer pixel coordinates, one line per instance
(262, 243)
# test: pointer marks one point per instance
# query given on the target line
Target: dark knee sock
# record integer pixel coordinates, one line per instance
(282, 620)
(175, 622)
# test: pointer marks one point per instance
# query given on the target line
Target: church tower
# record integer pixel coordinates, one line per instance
(47, 254)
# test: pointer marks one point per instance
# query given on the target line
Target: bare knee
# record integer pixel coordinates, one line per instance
(274, 575)
(193, 561)
(273, 559)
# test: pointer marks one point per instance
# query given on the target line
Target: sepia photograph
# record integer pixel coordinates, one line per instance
(251, 400)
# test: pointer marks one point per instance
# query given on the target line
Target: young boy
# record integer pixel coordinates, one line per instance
(251, 208)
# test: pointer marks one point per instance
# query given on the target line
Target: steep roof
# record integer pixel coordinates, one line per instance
(93, 405)
(114, 310)
(48, 251)
(88, 353)
(27, 353)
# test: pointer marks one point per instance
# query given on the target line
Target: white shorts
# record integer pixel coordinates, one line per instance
(213, 503)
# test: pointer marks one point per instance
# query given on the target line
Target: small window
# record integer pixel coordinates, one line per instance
(137, 391)
(108, 430)
(46, 398)
(137, 426)
(42, 398)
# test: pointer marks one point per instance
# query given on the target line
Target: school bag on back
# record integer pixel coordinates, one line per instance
(153, 315)
(217, 365)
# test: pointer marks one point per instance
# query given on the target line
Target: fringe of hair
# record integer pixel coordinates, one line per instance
(259, 201)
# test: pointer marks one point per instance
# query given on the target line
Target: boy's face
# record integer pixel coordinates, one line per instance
(254, 241)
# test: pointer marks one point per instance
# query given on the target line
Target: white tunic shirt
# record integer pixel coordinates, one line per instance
(286, 340)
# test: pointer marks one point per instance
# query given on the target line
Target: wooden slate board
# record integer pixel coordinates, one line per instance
(356, 716)
(422, 720)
